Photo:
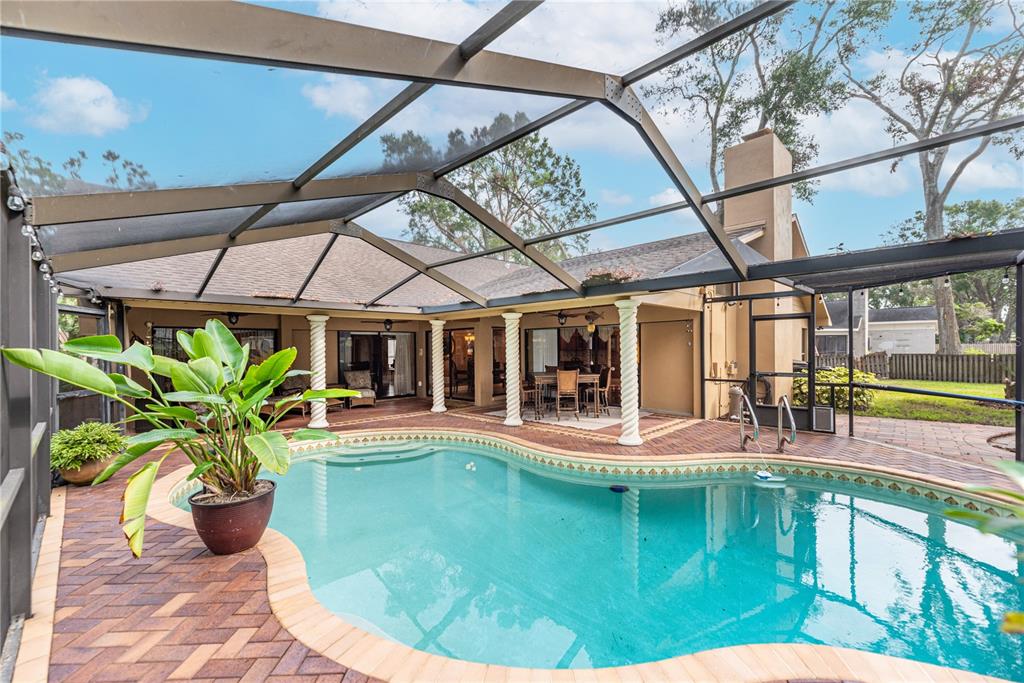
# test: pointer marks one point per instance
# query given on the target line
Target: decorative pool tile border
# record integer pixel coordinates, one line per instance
(301, 614)
(669, 469)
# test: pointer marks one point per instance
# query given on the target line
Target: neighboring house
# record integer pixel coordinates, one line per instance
(253, 288)
(909, 329)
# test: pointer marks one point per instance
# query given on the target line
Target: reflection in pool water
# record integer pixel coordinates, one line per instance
(500, 565)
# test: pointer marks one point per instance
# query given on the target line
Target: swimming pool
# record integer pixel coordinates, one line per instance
(456, 551)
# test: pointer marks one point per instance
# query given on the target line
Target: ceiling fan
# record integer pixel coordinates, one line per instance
(388, 323)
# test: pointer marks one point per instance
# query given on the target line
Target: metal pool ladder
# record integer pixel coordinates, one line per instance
(785, 411)
(748, 409)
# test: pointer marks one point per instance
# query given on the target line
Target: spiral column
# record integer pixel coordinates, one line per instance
(437, 365)
(512, 383)
(630, 369)
(318, 368)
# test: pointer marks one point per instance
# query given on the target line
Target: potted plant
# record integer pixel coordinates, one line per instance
(212, 416)
(82, 453)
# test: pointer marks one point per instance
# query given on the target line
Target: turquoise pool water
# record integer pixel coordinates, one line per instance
(466, 555)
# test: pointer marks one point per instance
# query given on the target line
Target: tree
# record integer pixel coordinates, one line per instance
(976, 323)
(526, 184)
(757, 78)
(963, 70)
(992, 289)
(36, 175)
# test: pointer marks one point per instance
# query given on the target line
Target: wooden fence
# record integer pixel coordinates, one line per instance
(990, 347)
(991, 369)
(971, 368)
(876, 363)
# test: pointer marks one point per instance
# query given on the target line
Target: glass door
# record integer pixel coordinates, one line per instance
(389, 357)
(460, 371)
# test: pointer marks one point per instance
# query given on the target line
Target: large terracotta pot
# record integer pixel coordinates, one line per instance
(228, 528)
(84, 475)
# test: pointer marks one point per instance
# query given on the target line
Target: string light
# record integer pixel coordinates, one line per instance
(945, 283)
(44, 267)
(1006, 276)
(37, 255)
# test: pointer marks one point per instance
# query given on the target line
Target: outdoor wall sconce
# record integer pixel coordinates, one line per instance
(562, 318)
(232, 318)
(387, 324)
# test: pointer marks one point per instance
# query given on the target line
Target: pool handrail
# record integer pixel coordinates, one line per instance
(748, 408)
(785, 410)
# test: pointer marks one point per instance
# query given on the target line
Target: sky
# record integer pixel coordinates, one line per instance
(201, 122)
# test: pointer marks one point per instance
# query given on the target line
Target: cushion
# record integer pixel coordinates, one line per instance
(367, 393)
(358, 379)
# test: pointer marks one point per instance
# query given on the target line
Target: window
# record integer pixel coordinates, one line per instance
(164, 341)
(573, 348)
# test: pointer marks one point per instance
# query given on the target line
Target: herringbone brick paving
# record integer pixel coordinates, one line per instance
(178, 612)
(182, 613)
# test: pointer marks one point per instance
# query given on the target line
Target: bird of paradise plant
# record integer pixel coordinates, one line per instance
(218, 414)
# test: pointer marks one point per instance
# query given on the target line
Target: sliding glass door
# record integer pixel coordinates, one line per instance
(575, 348)
(390, 358)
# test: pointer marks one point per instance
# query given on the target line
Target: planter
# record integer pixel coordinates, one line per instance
(84, 475)
(234, 526)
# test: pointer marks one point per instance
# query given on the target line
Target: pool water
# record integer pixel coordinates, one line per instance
(466, 555)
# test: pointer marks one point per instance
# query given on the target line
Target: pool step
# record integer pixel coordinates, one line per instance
(373, 453)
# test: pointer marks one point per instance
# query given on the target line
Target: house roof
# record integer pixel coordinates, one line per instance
(356, 272)
(903, 315)
(837, 312)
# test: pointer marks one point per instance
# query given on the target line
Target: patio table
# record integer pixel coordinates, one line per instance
(550, 379)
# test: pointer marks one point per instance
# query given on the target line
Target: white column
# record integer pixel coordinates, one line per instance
(437, 365)
(512, 382)
(630, 370)
(318, 368)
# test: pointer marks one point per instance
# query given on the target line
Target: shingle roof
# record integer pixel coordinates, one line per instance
(904, 314)
(355, 272)
(837, 312)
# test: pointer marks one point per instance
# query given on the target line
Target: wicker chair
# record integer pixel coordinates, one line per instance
(567, 389)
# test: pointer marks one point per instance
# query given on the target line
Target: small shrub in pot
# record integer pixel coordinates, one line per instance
(81, 453)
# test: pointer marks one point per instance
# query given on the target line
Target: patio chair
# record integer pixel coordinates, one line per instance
(602, 389)
(532, 395)
(361, 381)
(567, 389)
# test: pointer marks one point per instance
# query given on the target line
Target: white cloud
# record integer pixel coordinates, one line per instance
(608, 36)
(995, 169)
(80, 104)
(6, 101)
(345, 96)
(667, 196)
(615, 198)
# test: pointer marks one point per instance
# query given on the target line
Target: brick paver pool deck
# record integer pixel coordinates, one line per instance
(181, 613)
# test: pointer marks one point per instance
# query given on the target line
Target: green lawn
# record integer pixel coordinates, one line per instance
(935, 409)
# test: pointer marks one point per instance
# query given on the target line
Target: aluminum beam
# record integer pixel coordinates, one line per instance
(983, 130)
(723, 30)
(398, 285)
(316, 266)
(82, 208)
(608, 222)
(886, 256)
(445, 190)
(94, 258)
(209, 273)
(693, 46)
(625, 103)
(503, 20)
(242, 32)
(353, 230)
